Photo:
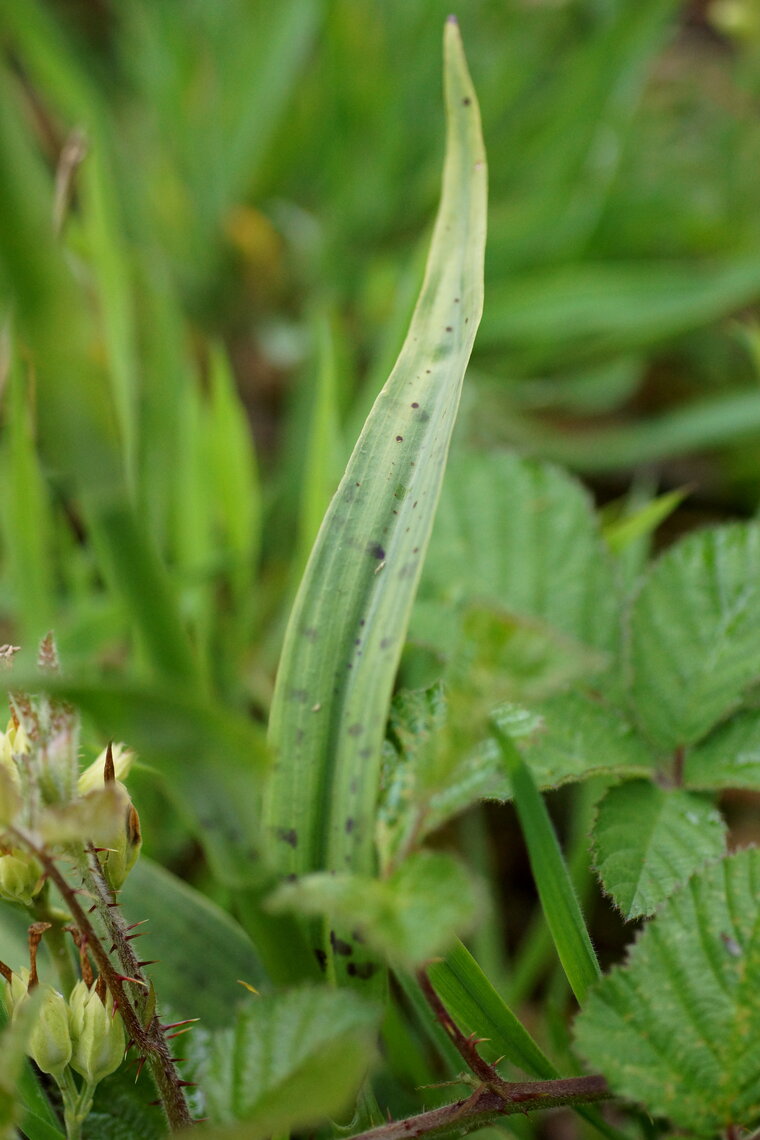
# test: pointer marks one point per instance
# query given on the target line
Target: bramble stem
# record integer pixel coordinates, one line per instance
(494, 1097)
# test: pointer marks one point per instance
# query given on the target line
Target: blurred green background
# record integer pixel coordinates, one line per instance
(213, 219)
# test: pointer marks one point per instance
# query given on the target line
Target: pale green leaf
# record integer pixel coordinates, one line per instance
(290, 1060)
(523, 534)
(581, 735)
(729, 757)
(677, 1028)
(350, 618)
(408, 917)
(648, 840)
(695, 634)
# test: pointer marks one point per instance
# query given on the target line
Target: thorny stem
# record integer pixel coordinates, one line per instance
(139, 1014)
(493, 1097)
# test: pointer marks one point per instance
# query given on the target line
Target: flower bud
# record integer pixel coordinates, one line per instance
(123, 850)
(16, 991)
(21, 876)
(49, 1043)
(97, 1032)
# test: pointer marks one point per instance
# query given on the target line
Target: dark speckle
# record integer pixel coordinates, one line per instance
(291, 878)
(357, 936)
(385, 643)
(415, 404)
(322, 959)
(466, 101)
(363, 970)
(339, 946)
(399, 439)
(288, 835)
(376, 550)
(350, 825)
(310, 633)
(365, 755)
(356, 730)
(449, 328)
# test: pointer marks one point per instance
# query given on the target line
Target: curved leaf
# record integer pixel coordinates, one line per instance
(349, 620)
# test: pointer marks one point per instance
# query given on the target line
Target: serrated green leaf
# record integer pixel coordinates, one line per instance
(648, 840)
(524, 534)
(677, 1028)
(694, 644)
(408, 917)
(350, 618)
(580, 735)
(729, 757)
(290, 1060)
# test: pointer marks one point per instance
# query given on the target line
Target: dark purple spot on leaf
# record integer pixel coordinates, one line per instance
(321, 959)
(350, 825)
(356, 730)
(363, 970)
(288, 835)
(376, 550)
(339, 946)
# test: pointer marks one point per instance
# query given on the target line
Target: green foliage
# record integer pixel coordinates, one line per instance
(675, 1029)
(290, 1060)
(205, 220)
(647, 841)
(409, 917)
(694, 647)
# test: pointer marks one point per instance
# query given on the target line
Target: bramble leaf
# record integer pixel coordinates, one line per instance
(677, 1028)
(409, 917)
(290, 1060)
(647, 840)
(729, 757)
(523, 534)
(694, 645)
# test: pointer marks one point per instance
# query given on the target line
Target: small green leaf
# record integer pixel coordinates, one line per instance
(729, 757)
(678, 1027)
(291, 1059)
(695, 634)
(582, 736)
(409, 917)
(648, 840)
(522, 534)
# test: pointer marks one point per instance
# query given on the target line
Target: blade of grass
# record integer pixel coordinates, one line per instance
(552, 878)
(349, 621)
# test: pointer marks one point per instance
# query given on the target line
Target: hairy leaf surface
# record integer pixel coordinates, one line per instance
(648, 840)
(678, 1027)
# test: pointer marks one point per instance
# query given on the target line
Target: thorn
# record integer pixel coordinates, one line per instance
(140, 1066)
(109, 772)
(178, 1060)
(248, 986)
(148, 962)
(187, 1084)
(126, 978)
(176, 1024)
(142, 922)
(139, 934)
(171, 1036)
(154, 1104)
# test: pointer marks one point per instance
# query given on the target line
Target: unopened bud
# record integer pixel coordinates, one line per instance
(49, 1043)
(21, 876)
(15, 991)
(124, 849)
(97, 1033)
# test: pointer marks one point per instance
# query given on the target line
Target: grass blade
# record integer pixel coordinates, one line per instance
(350, 617)
(555, 887)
